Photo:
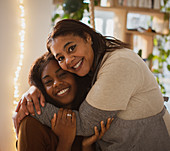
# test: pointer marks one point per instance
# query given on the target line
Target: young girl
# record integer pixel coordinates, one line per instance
(61, 89)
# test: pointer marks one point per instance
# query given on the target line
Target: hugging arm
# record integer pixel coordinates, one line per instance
(86, 119)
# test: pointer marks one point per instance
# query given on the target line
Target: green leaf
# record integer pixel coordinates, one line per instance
(140, 52)
(155, 71)
(66, 16)
(155, 41)
(155, 58)
(168, 52)
(150, 56)
(55, 17)
(168, 67)
(168, 9)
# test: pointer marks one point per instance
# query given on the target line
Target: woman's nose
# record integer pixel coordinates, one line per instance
(69, 60)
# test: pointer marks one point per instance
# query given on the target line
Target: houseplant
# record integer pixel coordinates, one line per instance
(163, 54)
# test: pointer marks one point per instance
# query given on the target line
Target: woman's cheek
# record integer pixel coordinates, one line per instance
(63, 66)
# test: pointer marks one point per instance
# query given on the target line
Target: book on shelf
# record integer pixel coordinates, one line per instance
(152, 4)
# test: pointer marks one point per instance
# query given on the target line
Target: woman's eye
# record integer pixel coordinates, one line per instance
(70, 49)
(60, 58)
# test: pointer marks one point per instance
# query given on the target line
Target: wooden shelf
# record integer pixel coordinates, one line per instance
(147, 11)
(144, 40)
(142, 33)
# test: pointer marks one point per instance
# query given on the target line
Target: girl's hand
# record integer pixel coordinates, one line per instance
(32, 96)
(64, 126)
(17, 118)
(89, 141)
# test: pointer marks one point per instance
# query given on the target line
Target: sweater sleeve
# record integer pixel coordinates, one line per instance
(86, 118)
(117, 81)
(47, 114)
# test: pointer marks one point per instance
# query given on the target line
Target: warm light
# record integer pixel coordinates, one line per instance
(21, 51)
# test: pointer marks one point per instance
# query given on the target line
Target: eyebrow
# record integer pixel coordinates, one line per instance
(46, 76)
(65, 46)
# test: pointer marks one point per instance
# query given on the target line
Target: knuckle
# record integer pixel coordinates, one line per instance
(29, 104)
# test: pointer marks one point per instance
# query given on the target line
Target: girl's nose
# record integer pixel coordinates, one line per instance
(57, 82)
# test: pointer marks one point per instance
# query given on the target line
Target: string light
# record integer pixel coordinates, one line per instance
(21, 51)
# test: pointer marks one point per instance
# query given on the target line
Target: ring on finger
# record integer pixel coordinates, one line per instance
(29, 100)
(68, 114)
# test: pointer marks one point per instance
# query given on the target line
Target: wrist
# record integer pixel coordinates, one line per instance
(63, 146)
(86, 147)
(65, 141)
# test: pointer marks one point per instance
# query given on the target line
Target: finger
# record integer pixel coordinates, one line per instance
(16, 122)
(73, 119)
(90, 140)
(69, 115)
(96, 132)
(64, 116)
(14, 116)
(24, 106)
(30, 106)
(103, 129)
(53, 120)
(21, 115)
(60, 113)
(95, 136)
(109, 122)
(18, 106)
(17, 129)
(36, 103)
(42, 100)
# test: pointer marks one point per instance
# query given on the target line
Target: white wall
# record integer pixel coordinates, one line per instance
(38, 24)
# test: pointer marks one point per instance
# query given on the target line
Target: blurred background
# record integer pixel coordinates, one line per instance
(24, 27)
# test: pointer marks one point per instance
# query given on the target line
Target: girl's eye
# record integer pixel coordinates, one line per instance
(63, 74)
(70, 49)
(48, 82)
(60, 58)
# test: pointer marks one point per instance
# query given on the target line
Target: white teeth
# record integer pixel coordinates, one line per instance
(78, 64)
(62, 91)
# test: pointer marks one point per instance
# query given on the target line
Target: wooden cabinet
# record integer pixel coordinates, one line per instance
(145, 38)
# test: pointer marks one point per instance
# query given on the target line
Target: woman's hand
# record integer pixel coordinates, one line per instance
(32, 96)
(89, 141)
(64, 126)
(17, 118)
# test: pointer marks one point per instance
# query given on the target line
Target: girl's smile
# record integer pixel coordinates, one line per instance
(60, 85)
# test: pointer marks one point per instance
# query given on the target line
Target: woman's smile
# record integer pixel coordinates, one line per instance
(73, 53)
(78, 65)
